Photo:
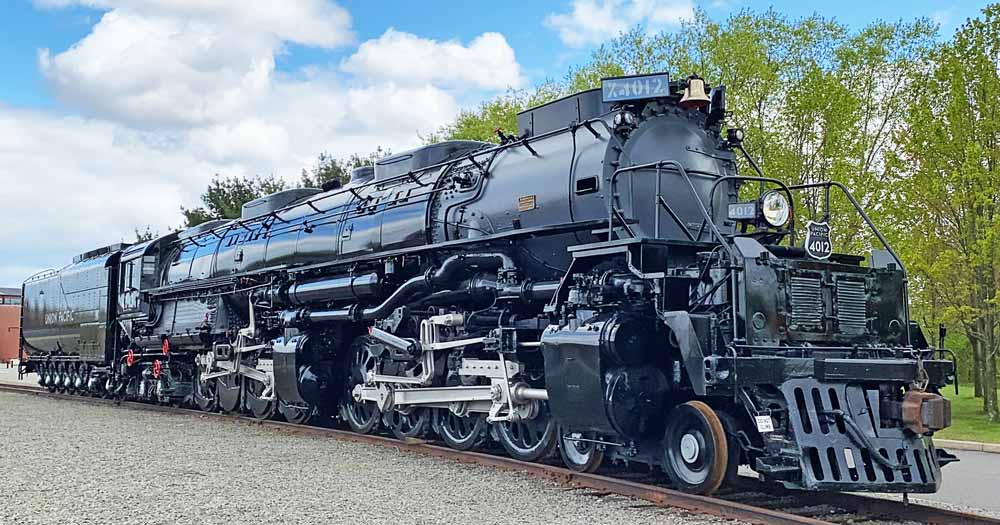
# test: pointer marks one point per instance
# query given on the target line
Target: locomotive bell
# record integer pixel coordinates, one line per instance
(694, 94)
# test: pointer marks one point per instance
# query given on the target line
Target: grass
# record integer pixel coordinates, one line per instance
(967, 420)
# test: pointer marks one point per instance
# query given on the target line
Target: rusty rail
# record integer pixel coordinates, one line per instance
(658, 496)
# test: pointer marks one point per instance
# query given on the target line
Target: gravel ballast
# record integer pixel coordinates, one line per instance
(75, 462)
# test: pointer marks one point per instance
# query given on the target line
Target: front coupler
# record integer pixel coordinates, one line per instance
(845, 437)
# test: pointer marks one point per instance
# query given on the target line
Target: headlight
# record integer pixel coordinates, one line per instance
(775, 208)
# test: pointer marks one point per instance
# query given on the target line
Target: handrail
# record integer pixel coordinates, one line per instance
(412, 174)
(659, 165)
(38, 276)
(762, 179)
(707, 215)
(885, 243)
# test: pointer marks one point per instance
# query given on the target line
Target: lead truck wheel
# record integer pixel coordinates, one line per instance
(695, 450)
(580, 452)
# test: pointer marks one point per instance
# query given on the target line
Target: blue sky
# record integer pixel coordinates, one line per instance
(539, 50)
(114, 113)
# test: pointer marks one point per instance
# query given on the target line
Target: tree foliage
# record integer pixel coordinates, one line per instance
(224, 197)
(500, 113)
(947, 176)
(145, 235)
(329, 168)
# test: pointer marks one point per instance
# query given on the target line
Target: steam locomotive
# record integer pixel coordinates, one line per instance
(597, 285)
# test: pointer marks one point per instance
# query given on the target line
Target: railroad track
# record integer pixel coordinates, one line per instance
(751, 501)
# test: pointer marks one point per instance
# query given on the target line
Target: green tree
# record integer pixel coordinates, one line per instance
(948, 181)
(145, 235)
(817, 102)
(224, 197)
(499, 113)
(328, 167)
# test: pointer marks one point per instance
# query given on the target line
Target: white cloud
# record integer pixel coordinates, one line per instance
(943, 17)
(595, 21)
(152, 63)
(72, 184)
(487, 62)
(310, 22)
(170, 93)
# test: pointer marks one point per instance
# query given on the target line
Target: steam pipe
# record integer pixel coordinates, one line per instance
(449, 271)
(346, 288)
(530, 291)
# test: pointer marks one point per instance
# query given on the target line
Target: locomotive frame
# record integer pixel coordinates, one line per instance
(595, 288)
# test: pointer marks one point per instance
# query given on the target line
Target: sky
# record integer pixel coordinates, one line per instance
(115, 113)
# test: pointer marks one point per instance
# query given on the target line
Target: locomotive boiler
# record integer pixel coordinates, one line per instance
(596, 285)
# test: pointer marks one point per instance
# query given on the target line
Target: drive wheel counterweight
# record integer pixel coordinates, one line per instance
(462, 433)
(414, 423)
(256, 403)
(204, 394)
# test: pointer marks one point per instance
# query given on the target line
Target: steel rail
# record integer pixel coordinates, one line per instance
(657, 495)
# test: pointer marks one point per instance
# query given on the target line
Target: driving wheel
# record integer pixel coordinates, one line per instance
(528, 440)
(256, 404)
(462, 433)
(62, 378)
(203, 393)
(50, 378)
(413, 423)
(228, 390)
(297, 415)
(361, 416)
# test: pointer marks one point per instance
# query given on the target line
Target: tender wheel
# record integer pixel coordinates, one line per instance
(695, 449)
(80, 379)
(361, 416)
(579, 451)
(50, 378)
(228, 390)
(86, 372)
(412, 424)
(529, 440)
(204, 394)
(295, 414)
(62, 379)
(71, 376)
(258, 407)
(462, 433)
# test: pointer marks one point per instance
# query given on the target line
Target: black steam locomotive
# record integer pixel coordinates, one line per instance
(593, 284)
